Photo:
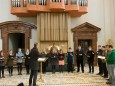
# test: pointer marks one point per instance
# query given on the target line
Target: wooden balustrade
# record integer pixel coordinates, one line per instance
(24, 7)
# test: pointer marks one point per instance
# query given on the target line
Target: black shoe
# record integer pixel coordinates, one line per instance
(105, 76)
(82, 71)
(108, 82)
(92, 71)
(11, 74)
(77, 71)
(89, 72)
(98, 74)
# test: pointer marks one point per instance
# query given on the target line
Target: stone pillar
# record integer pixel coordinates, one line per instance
(38, 30)
(70, 34)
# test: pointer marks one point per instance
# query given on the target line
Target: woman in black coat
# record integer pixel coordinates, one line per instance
(27, 60)
(10, 60)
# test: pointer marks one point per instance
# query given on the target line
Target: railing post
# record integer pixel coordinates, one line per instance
(37, 2)
(69, 2)
(21, 3)
(48, 3)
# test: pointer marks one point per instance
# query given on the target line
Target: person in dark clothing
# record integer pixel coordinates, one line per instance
(44, 64)
(100, 64)
(53, 60)
(90, 56)
(27, 60)
(70, 57)
(61, 60)
(80, 58)
(34, 65)
(2, 65)
(104, 53)
(10, 60)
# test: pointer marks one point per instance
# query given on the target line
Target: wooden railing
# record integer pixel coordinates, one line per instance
(49, 6)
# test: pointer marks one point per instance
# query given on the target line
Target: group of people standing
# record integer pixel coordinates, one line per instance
(106, 66)
(80, 55)
(19, 57)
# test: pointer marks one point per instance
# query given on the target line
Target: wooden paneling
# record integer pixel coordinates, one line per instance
(53, 27)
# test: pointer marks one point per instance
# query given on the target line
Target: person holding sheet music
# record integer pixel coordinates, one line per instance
(90, 56)
(53, 60)
(110, 59)
(100, 64)
(2, 65)
(10, 60)
(27, 61)
(61, 60)
(19, 57)
(80, 58)
(104, 53)
(70, 57)
(44, 64)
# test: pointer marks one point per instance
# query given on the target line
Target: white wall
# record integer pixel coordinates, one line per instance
(112, 17)
(101, 13)
(32, 20)
(98, 15)
(33, 38)
(5, 15)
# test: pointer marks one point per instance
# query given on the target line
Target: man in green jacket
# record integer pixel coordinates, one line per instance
(110, 59)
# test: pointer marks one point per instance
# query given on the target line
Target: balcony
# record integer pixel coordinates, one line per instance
(75, 8)
(57, 5)
(37, 5)
(79, 7)
(19, 8)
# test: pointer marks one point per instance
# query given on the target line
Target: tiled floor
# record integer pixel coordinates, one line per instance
(57, 79)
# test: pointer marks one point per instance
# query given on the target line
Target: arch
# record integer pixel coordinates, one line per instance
(15, 27)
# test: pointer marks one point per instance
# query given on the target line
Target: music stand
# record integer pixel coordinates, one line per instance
(41, 59)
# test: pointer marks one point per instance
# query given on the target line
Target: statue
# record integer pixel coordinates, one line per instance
(53, 48)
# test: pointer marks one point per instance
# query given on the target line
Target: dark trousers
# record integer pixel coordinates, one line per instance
(80, 62)
(91, 66)
(33, 76)
(43, 67)
(100, 64)
(53, 68)
(27, 69)
(61, 68)
(70, 67)
(10, 69)
(105, 71)
(19, 68)
(1, 71)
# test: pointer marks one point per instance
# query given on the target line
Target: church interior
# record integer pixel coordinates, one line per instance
(59, 23)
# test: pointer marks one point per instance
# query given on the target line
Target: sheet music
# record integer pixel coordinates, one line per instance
(101, 57)
(41, 59)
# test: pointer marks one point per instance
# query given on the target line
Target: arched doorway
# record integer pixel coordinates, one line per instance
(15, 41)
(85, 35)
(16, 32)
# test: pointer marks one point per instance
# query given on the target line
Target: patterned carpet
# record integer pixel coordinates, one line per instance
(57, 79)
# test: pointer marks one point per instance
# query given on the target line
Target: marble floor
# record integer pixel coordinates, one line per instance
(57, 79)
